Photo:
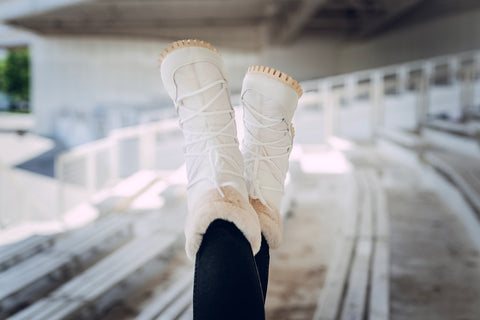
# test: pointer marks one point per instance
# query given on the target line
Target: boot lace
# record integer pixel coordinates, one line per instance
(214, 153)
(256, 150)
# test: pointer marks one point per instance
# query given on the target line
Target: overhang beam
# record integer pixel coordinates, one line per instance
(15, 9)
(298, 20)
(13, 38)
(394, 11)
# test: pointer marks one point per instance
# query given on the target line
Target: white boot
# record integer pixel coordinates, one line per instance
(269, 99)
(194, 76)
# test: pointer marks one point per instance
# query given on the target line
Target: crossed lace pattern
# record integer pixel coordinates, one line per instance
(214, 152)
(256, 150)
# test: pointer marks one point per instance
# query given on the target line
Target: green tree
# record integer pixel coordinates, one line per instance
(2, 72)
(15, 75)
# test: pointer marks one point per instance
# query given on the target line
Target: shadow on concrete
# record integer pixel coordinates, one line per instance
(44, 163)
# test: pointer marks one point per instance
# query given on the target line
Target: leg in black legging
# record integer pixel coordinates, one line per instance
(262, 259)
(227, 283)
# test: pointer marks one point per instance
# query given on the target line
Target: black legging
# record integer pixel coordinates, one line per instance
(230, 283)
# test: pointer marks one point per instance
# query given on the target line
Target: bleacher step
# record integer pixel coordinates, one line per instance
(359, 269)
(90, 294)
(17, 252)
(187, 315)
(157, 306)
(43, 272)
(178, 307)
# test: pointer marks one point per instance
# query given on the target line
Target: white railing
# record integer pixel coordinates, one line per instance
(99, 165)
(87, 169)
(331, 92)
(84, 171)
(18, 201)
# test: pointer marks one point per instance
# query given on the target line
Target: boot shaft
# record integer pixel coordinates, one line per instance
(195, 78)
(270, 99)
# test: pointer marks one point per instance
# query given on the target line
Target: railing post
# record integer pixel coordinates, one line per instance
(91, 182)
(351, 88)
(23, 207)
(467, 95)
(423, 95)
(402, 79)
(147, 149)
(475, 71)
(114, 157)
(60, 178)
(3, 197)
(377, 101)
(328, 110)
(457, 86)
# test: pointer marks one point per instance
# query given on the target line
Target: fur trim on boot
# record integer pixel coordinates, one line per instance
(270, 221)
(233, 207)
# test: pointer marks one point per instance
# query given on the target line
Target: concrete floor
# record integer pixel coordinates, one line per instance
(298, 268)
(435, 270)
(434, 265)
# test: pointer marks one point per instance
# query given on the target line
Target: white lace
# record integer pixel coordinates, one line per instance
(252, 155)
(213, 152)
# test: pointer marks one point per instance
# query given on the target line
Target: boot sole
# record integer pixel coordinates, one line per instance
(275, 74)
(185, 44)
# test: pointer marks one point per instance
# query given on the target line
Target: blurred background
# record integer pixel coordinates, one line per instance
(382, 202)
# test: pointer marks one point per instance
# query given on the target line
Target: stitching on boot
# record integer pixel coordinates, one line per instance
(277, 75)
(184, 44)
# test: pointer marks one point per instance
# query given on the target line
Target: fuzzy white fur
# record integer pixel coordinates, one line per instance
(270, 222)
(233, 207)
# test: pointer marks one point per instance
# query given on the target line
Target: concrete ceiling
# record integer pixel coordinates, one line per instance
(246, 24)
